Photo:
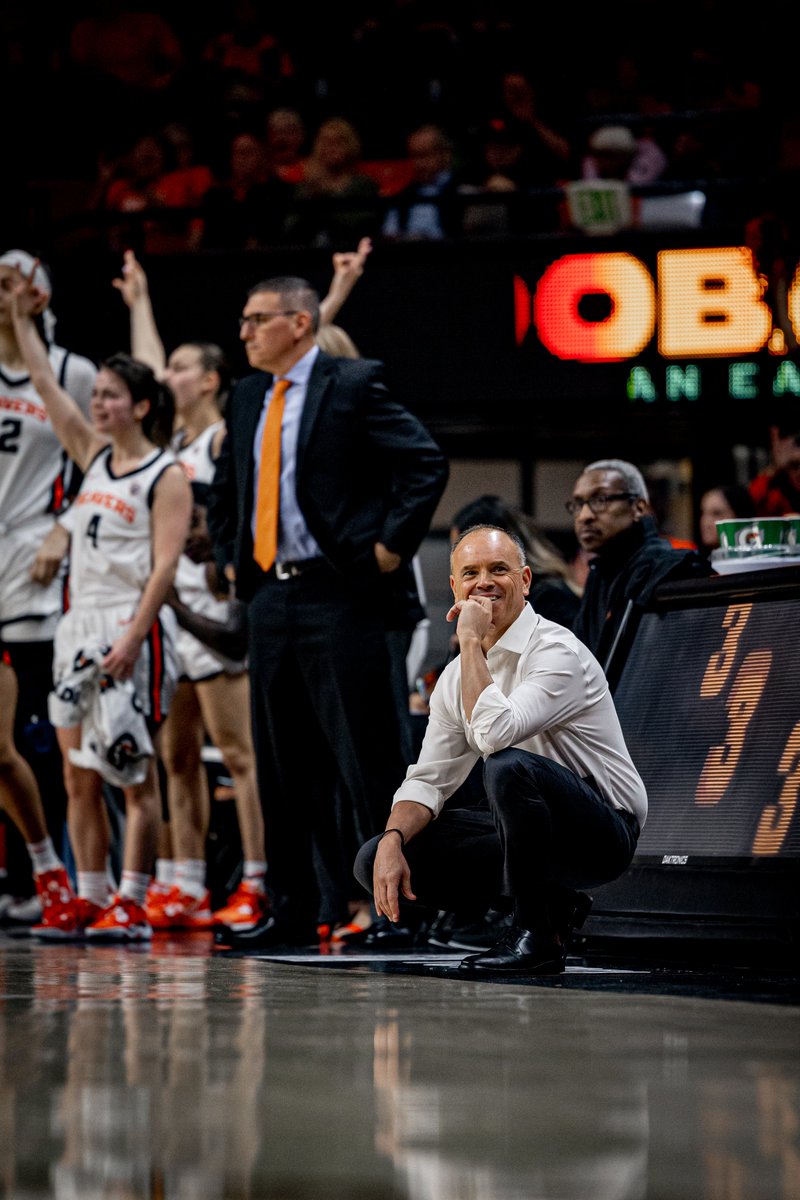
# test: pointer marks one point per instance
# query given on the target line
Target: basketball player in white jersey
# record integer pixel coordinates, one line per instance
(129, 524)
(36, 477)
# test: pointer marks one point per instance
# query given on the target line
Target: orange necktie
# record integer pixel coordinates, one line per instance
(269, 475)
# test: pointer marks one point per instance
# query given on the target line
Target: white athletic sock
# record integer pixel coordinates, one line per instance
(133, 886)
(190, 876)
(93, 885)
(255, 873)
(43, 856)
(165, 871)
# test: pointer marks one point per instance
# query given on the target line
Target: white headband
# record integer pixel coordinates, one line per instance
(25, 262)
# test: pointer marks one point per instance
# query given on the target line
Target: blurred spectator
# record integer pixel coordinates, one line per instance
(548, 152)
(500, 165)
(248, 49)
(131, 60)
(428, 207)
(616, 153)
(130, 185)
(185, 185)
(248, 208)
(286, 144)
(157, 173)
(776, 490)
(722, 503)
(139, 49)
(336, 201)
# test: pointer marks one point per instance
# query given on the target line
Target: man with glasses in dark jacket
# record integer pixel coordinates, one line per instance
(610, 506)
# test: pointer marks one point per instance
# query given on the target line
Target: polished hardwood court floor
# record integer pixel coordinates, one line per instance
(179, 1072)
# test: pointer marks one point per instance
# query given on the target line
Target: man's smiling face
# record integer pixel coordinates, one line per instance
(487, 564)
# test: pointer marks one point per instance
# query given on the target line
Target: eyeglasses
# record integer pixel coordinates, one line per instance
(597, 503)
(256, 319)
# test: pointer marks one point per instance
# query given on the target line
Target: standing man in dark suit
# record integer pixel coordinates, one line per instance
(313, 533)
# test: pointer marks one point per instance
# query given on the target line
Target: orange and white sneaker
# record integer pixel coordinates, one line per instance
(179, 910)
(57, 900)
(123, 921)
(244, 909)
(156, 892)
(71, 923)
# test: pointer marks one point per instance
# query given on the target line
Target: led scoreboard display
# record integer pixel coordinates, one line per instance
(667, 319)
(709, 704)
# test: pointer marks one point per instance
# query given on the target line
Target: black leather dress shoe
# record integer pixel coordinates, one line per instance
(520, 952)
(266, 935)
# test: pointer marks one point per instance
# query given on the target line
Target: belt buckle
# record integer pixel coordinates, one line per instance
(284, 571)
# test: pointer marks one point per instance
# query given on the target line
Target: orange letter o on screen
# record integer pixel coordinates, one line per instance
(627, 329)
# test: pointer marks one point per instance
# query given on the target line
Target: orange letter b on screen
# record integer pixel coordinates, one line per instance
(710, 303)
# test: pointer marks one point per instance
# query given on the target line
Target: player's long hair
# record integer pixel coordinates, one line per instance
(143, 385)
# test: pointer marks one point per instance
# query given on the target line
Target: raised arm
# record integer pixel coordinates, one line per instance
(348, 267)
(146, 344)
(76, 435)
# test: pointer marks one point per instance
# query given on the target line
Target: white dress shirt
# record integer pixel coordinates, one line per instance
(294, 540)
(549, 696)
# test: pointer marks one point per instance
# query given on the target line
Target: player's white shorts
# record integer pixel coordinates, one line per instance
(28, 611)
(197, 661)
(155, 674)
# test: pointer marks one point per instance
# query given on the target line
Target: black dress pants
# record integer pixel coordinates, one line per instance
(324, 725)
(543, 833)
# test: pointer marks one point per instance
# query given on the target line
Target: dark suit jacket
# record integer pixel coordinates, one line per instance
(367, 471)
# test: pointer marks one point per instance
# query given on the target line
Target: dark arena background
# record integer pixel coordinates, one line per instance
(556, 315)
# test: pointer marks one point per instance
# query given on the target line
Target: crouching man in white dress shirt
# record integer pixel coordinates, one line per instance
(564, 802)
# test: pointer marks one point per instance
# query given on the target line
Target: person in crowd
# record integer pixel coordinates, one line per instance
(184, 185)
(609, 507)
(142, 181)
(428, 207)
(548, 151)
(247, 208)
(325, 486)
(615, 152)
(499, 164)
(247, 50)
(725, 502)
(776, 489)
(36, 480)
(564, 801)
(114, 660)
(335, 198)
(286, 137)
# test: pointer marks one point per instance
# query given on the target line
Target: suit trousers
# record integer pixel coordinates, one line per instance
(542, 833)
(325, 728)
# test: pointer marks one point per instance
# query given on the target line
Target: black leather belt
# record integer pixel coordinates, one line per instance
(292, 569)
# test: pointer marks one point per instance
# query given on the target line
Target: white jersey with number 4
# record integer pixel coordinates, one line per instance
(111, 555)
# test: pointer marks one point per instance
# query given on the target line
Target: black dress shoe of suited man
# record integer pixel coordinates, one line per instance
(520, 952)
(267, 934)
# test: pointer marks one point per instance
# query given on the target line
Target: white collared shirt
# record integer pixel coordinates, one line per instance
(294, 539)
(549, 696)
